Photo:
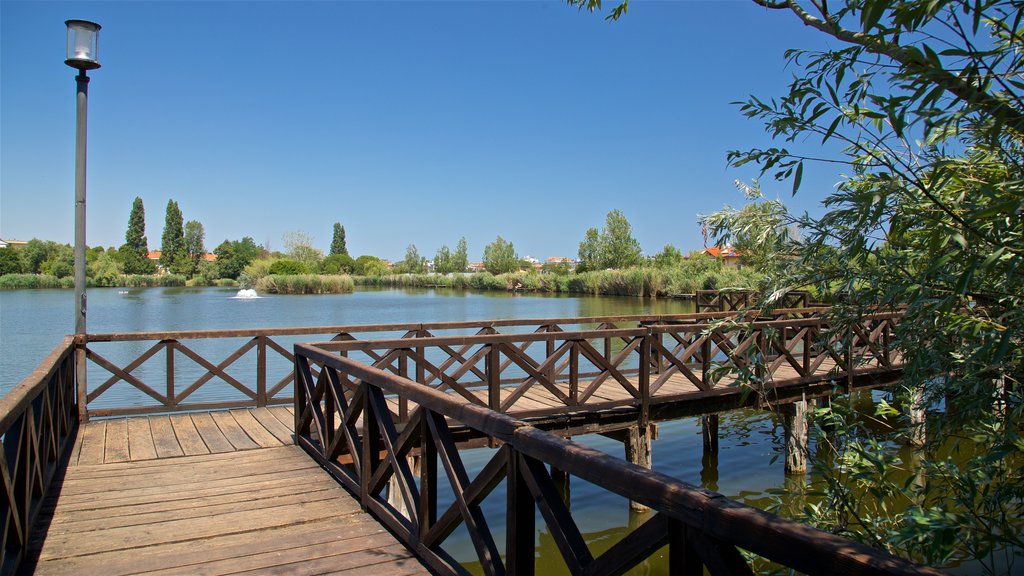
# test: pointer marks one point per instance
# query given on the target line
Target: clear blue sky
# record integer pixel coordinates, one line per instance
(408, 122)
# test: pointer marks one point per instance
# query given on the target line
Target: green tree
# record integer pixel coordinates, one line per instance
(925, 100)
(613, 247)
(60, 263)
(299, 246)
(35, 252)
(104, 270)
(669, 257)
(135, 250)
(234, 256)
(591, 252)
(338, 264)
(413, 263)
(759, 231)
(195, 247)
(10, 263)
(286, 267)
(338, 241)
(172, 241)
(443, 261)
(367, 265)
(500, 257)
(460, 258)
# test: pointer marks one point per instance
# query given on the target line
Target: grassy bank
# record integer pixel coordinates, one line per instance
(28, 281)
(655, 282)
(304, 284)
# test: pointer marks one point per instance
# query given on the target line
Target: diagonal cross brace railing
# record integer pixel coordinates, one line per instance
(343, 422)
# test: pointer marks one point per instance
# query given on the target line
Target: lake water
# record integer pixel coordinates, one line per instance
(749, 466)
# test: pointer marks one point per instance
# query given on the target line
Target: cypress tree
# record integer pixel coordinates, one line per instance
(172, 243)
(136, 246)
(338, 242)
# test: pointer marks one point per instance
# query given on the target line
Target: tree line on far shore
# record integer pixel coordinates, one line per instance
(183, 260)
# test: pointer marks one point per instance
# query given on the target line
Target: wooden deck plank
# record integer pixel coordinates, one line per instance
(140, 440)
(93, 442)
(188, 437)
(232, 431)
(116, 441)
(283, 416)
(254, 429)
(163, 437)
(181, 556)
(273, 425)
(198, 517)
(211, 433)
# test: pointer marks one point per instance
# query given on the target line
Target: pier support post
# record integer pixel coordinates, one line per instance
(638, 451)
(796, 431)
(917, 435)
(709, 431)
(395, 492)
(560, 478)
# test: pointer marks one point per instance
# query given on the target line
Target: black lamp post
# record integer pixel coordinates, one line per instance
(83, 39)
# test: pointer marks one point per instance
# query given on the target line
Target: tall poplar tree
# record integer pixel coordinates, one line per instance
(172, 243)
(136, 247)
(338, 242)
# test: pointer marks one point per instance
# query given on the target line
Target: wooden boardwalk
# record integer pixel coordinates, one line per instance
(206, 493)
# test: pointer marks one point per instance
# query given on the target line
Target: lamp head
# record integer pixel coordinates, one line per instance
(83, 40)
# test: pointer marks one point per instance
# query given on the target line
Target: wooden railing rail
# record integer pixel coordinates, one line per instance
(343, 421)
(172, 373)
(38, 422)
(612, 367)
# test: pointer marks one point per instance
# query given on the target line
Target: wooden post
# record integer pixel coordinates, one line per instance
(638, 451)
(917, 435)
(261, 370)
(796, 431)
(709, 431)
(520, 538)
(561, 480)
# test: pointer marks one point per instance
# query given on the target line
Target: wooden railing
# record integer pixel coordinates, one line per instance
(343, 420)
(553, 371)
(171, 371)
(741, 299)
(38, 422)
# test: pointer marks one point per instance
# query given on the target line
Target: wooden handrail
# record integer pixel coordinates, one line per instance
(711, 526)
(38, 421)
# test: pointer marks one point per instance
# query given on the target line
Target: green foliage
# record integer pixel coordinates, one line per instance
(10, 263)
(234, 256)
(38, 281)
(460, 258)
(500, 257)
(613, 247)
(104, 270)
(135, 250)
(299, 246)
(285, 267)
(338, 247)
(925, 99)
(195, 248)
(172, 241)
(367, 265)
(669, 257)
(304, 284)
(60, 263)
(413, 263)
(35, 252)
(759, 231)
(338, 264)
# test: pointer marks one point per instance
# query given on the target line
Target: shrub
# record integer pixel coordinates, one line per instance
(304, 284)
(287, 267)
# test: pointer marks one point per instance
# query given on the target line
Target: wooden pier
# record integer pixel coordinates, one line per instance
(332, 458)
(205, 493)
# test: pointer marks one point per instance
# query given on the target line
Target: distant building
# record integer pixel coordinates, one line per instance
(12, 243)
(477, 267)
(730, 255)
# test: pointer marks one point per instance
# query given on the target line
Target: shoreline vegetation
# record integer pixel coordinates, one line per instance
(643, 281)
